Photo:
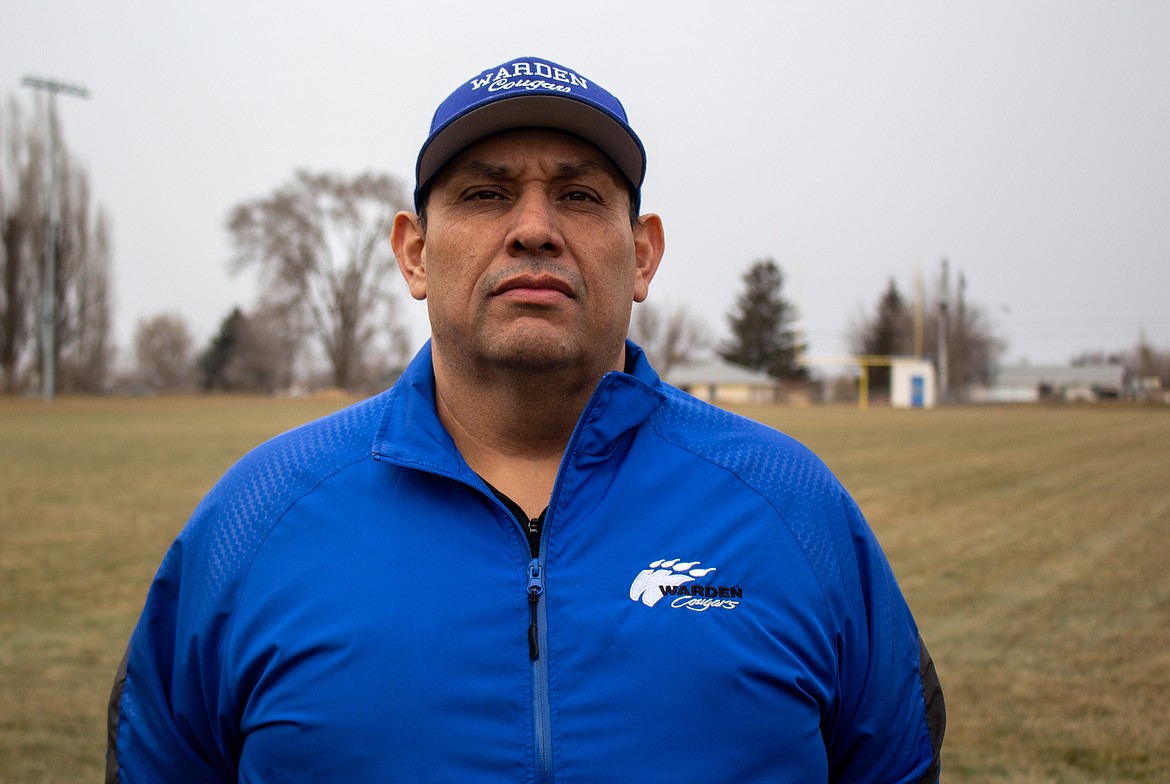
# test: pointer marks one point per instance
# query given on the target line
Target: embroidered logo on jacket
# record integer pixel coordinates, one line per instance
(676, 578)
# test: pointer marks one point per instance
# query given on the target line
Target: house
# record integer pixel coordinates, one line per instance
(723, 383)
(1035, 383)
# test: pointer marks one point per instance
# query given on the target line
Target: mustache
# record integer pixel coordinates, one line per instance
(533, 267)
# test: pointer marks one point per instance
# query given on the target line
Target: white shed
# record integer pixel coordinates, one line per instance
(912, 384)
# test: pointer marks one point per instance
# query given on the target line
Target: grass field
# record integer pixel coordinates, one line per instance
(1033, 544)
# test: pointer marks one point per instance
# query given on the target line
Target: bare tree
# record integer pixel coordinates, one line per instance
(1148, 369)
(20, 197)
(265, 358)
(162, 348)
(83, 295)
(81, 291)
(974, 348)
(322, 244)
(668, 336)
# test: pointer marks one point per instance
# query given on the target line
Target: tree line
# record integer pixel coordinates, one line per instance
(764, 333)
(319, 244)
(264, 350)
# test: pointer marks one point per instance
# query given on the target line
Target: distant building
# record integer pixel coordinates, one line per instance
(1036, 383)
(723, 383)
(912, 384)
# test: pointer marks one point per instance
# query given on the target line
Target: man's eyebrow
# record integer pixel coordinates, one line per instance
(485, 170)
(564, 171)
(570, 171)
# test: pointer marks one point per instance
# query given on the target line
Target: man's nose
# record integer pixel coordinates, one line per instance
(534, 228)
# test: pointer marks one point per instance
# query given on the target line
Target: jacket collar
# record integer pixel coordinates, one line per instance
(411, 434)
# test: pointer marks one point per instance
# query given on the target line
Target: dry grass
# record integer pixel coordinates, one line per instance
(1034, 546)
(1032, 543)
(91, 493)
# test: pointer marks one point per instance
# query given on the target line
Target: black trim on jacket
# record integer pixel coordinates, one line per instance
(113, 716)
(936, 710)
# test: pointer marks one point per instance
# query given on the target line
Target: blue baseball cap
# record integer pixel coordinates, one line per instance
(530, 92)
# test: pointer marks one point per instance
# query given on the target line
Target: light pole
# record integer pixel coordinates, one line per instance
(52, 219)
(943, 336)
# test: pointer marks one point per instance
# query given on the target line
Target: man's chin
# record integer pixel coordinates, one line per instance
(544, 347)
(535, 357)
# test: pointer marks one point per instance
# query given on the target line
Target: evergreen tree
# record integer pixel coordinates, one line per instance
(213, 362)
(763, 336)
(888, 334)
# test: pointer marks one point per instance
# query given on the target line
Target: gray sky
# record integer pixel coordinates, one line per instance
(1027, 142)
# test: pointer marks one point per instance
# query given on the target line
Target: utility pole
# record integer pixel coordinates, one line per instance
(943, 298)
(961, 334)
(52, 221)
(918, 312)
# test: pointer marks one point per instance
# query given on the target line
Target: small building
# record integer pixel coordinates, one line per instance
(912, 384)
(723, 383)
(1036, 383)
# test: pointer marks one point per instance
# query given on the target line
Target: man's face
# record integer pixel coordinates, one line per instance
(529, 260)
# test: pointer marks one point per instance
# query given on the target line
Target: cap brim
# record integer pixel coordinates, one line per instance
(561, 113)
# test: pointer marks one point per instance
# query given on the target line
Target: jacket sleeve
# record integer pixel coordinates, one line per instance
(889, 719)
(165, 712)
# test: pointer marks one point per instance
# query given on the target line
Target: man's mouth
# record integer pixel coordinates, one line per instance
(535, 289)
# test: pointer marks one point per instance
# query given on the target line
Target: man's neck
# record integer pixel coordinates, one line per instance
(512, 428)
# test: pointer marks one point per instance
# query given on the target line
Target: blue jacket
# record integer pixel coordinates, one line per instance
(352, 603)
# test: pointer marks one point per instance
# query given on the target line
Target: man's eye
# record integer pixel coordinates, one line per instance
(484, 195)
(579, 196)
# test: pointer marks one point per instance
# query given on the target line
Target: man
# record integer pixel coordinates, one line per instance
(529, 560)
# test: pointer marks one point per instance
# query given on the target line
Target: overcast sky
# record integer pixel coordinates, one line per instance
(1026, 142)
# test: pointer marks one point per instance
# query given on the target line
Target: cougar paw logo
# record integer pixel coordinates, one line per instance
(647, 586)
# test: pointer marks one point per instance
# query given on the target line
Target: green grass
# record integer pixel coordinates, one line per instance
(1033, 544)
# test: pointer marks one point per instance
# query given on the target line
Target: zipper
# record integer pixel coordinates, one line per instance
(538, 611)
(541, 722)
(535, 589)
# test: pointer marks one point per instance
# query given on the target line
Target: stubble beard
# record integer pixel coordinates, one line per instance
(532, 348)
(537, 350)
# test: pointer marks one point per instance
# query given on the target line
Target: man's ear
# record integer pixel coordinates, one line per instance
(649, 245)
(409, 243)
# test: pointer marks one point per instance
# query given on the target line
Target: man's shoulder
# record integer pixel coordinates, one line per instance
(255, 492)
(312, 450)
(751, 448)
(769, 471)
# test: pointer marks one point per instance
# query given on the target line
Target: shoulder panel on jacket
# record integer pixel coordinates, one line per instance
(254, 493)
(794, 480)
